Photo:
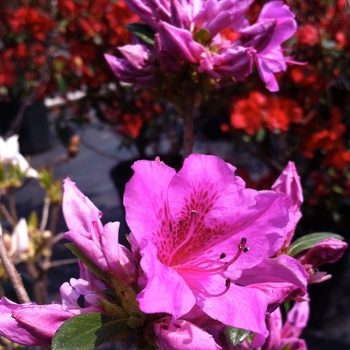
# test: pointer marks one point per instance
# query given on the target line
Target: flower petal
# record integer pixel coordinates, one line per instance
(166, 291)
(145, 198)
(12, 330)
(183, 335)
(240, 307)
(281, 269)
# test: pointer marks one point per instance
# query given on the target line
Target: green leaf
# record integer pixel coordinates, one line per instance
(89, 264)
(309, 241)
(61, 83)
(87, 331)
(236, 335)
(142, 31)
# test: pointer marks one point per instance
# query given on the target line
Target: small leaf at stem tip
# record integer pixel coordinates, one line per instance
(309, 241)
(89, 264)
(142, 31)
(236, 335)
(87, 331)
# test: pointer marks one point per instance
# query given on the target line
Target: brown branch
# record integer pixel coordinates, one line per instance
(12, 205)
(13, 274)
(188, 120)
(7, 215)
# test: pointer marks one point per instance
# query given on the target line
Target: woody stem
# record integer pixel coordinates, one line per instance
(13, 274)
(188, 120)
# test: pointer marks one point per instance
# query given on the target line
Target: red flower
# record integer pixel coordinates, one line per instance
(308, 34)
(259, 110)
(27, 21)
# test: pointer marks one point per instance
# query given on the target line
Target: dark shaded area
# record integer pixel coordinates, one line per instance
(33, 129)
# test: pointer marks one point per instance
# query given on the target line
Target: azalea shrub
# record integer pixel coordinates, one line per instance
(210, 263)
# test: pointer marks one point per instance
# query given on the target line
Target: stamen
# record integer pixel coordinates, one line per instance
(207, 294)
(197, 268)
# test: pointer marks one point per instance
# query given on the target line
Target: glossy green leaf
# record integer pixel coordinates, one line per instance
(87, 331)
(89, 264)
(142, 31)
(309, 241)
(237, 335)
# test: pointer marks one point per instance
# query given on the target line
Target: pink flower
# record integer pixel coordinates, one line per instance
(329, 250)
(182, 335)
(99, 243)
(137, 67)
(275, 25)
(31, 324)
(198, 230)
(288, 333)
(188, 36)
(289, 183)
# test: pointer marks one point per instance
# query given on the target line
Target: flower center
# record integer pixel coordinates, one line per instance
(207, 266)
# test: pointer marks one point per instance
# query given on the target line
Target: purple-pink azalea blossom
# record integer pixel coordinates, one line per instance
(286, 336)
(328, 250)
(182, 335)
(99, 243)
(189, 34)
(207, 253)
(32, 324)
(289, 182)
(199, 231)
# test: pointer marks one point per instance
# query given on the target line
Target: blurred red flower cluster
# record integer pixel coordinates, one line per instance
(55, 49)
(260, 110)
(66, 38)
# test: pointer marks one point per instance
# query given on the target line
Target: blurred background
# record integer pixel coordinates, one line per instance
(76, 119)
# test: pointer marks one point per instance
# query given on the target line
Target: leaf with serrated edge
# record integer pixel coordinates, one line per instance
(87, 331)
(237, 335)
(89, 264)
(309, 241)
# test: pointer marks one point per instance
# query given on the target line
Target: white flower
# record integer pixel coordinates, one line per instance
(19, 238)
(9, 154)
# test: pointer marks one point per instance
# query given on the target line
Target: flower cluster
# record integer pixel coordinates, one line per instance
(58, 46)
(23, 53)
(259, 110)
(209, 259)
(209, 41)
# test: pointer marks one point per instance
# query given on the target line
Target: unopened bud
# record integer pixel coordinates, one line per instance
(73, 146)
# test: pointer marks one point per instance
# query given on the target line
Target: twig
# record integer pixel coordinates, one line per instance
(12, 205)
(45, 215)
(63, 262)
(13, 274)
(56, 238)
(7, 215)
(188, 120)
